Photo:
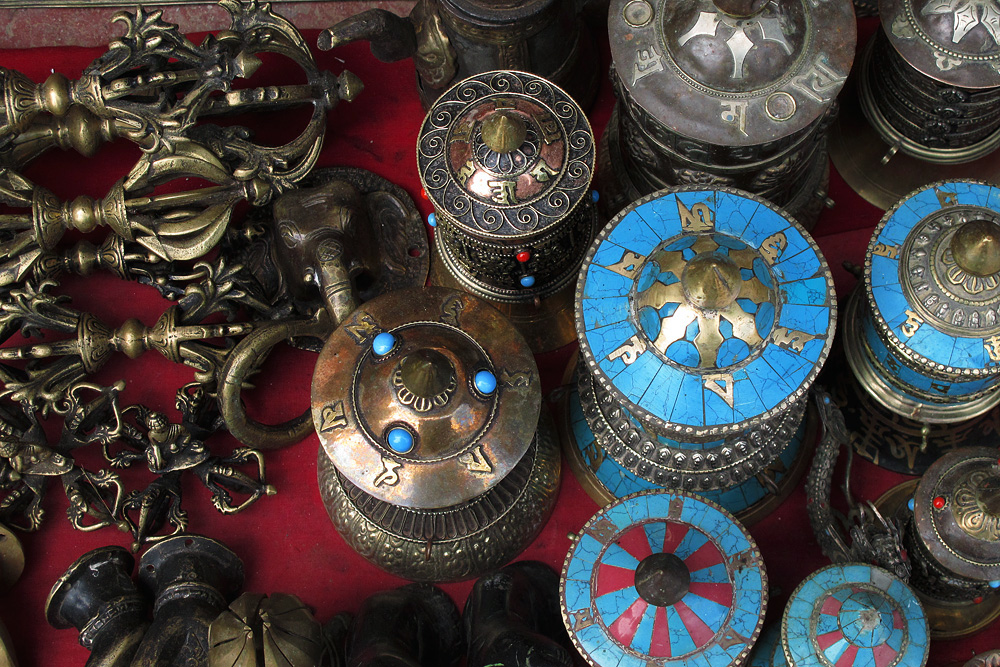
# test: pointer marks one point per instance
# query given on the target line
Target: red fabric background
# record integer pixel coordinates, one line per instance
(287, 542)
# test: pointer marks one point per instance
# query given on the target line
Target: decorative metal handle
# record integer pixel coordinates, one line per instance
(246, 358)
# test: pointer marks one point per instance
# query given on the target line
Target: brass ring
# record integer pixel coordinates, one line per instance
(246, 357)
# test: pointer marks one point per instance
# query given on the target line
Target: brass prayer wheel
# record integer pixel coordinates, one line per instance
(507, 158)
(922, 336)
(434, 464)
(950, 520)
(725, 93)
(925, 100)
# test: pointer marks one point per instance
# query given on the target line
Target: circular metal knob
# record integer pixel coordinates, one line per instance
(976, 247)
(504, 132)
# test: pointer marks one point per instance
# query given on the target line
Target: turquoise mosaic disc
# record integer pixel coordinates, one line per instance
(854, 615)
(704, 311)
(711, 621)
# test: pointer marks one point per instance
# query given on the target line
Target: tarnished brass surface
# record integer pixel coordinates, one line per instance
(265, 631)
(11, 559)
(449, 543)
(546, 326)
(976, 247)
(7, 657)
(882, 174)
(467, 441)
(947, 620)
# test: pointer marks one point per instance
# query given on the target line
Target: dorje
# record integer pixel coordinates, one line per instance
(927, 90)
(506, 158)
(434, 464)
(726, 92)
(922, 336)
(704, 317)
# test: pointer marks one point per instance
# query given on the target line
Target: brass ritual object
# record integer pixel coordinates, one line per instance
(265, 631)
(11, 559)
(725, 93)
(921, 333)
(951, 533)
(924, 103)
(155, 87)
(434, 462)
(97, 596)
(451, 40)
(507, 158)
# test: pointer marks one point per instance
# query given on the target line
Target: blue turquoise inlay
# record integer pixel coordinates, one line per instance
(859, 615)
(638, 314)
(616, 627)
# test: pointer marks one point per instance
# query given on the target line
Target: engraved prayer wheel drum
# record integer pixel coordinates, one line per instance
(663, 579)
(923, 337)
(506, 159)
(953, 540)
(852, 615)
(730, 93)
(427, 405)
(597, 433)
(927, 89)
(704, 316)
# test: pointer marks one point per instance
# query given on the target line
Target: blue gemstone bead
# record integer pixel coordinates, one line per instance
(995, 584)
(486, 382)
(595, 196)
(432, 220)
(400, 440)
(383, 343)
(909, 504)
(527, 281)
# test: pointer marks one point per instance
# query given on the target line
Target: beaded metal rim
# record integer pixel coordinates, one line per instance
(495, 220)
(775, 110)
(881, 325)
(446, 473)
(801, 611)
(932, 58)
(954, 552)
(634, 512)
(656, 422)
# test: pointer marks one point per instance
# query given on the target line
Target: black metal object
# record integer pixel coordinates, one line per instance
(512, 617)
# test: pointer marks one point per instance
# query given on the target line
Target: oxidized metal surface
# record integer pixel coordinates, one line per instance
(928, 344)
(741, 78)
(11, 558)
(507, 159)
(450, 40)
(709, 295)
(505, 194)
(962, 529)
(462, 439)
(455, 542)
(605, 479)
(662, 578)
(987, 659)
(854, 614)
(952, 41)
(265, 631)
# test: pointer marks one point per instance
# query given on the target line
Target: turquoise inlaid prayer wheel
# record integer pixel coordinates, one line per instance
(704, 316)
(923, 335)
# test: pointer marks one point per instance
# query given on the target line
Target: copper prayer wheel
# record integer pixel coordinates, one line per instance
(725, 93)
(436, 462)
(506, 158)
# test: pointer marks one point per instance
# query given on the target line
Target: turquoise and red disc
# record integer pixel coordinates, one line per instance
(767, 652)
(705, 311)
(663, 578)
(854, 616)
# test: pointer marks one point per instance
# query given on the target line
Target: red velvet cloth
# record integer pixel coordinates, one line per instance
(287, 542)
